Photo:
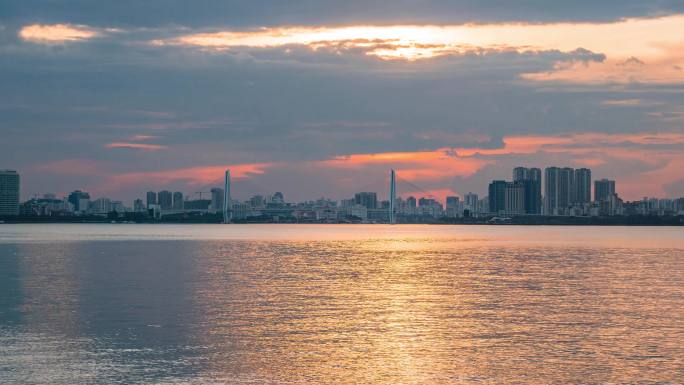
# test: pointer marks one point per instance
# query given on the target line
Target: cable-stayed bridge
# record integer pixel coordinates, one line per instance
(365, 203)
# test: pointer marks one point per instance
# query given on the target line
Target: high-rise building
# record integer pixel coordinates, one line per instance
(177, 201)
(566, 189)
(367, 199)
(80, 200)
(165, 200)
(582, 185)
(217, 199)
(531, 180)
(470, 200)
(559, 190)
(497, 196)
(514, 198)
(411, 202)
(453, 206)
(9, 192)
(151, 199)
(551, 177)
(603, 190)
(520, 174)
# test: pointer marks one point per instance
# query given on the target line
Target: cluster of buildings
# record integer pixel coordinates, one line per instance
(553, 192)
(567, 192)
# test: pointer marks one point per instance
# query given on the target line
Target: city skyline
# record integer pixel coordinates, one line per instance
(557, 191)
(413, 190)
(328, 97)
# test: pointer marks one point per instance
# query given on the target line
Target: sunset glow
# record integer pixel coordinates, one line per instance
(648, 39)
(57, 33)
(450, 99)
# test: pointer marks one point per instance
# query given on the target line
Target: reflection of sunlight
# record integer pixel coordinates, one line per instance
(51, 289)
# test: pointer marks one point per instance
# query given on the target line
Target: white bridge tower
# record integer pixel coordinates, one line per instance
(393, 198)
(227, 202)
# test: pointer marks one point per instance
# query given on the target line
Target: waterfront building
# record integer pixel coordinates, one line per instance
(453, 207)
(257, 201)
(582, 186)
(531, 180)
(483, 204)
(177, 201)
(165, 200)
(217, 199)
(80, 200)
(151, 199)
(347, 202)
(679, 206)
(429, 207)
(470, 201)
(100, 206)
(497, 196)
(46, 206)
(239, 210)
(603, 189)
(566, 190)
(367, 199)
(358, 210)
(9, 192)
(196, 205)
(559, 190)
(514, 198)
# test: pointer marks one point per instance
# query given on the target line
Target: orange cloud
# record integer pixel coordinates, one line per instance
(669, 70)
(143, 137)
(192, 175)
(575, 143)
(647, 38)
(420, 165)
(57, 33)
(658, 152)
(136, 146)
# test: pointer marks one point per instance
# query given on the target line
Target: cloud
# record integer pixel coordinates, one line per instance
(58, 33)
(622, 40)
(653, 157)
(626, 102)
(143, 137)
(413, 166)
(193, 176)
(663, 71)
(136, 146)
(80, 167)
(159, 13)
(642, 163)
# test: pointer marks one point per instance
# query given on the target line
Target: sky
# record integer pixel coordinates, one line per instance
(323, 98)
